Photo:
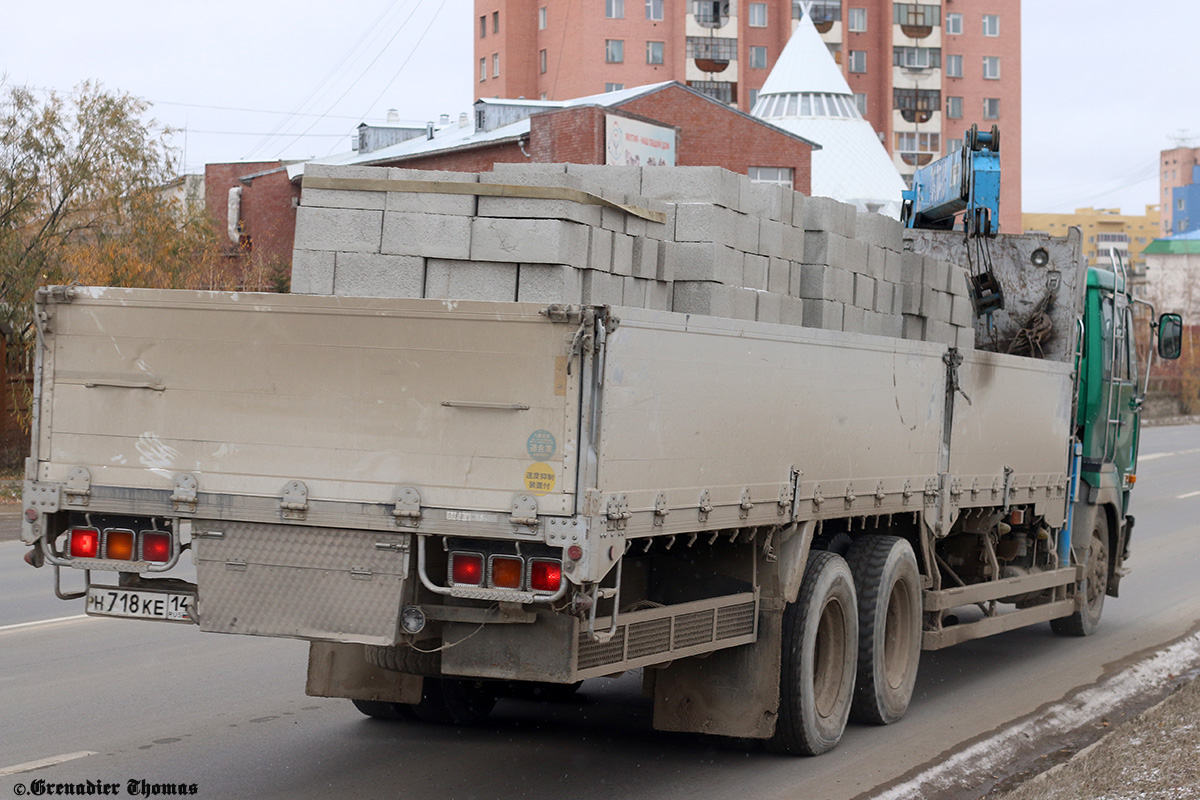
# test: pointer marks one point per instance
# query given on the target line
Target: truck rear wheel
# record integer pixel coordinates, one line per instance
(1093, 586)
(888, 583)
(820, 637)
(455, 701)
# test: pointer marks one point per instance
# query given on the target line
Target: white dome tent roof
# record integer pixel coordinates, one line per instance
(806, 94)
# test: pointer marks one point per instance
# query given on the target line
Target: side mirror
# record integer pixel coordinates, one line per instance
(1170, 336)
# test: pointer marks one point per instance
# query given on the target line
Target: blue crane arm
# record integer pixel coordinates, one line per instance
(965, 182)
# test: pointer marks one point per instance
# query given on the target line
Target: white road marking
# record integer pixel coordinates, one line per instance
(1186, 496)
(46, 762)
(970, 766)
(40, 623)
(1152, 456)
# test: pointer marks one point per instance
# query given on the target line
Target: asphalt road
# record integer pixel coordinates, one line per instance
(167, 704)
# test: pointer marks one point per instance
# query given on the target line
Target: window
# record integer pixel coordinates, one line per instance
(779, 176)
(860, 102)
(753, 98)
(1179, 206)
(542, 18)
(613, 87)
(483, 26)
(917, 57)
(858, 60)
(954, 24)
(654, 9)
(991, 25)
(712, 49)
(917, 15)
(483, 69)
(495, 65)
(614, 9)
(758, 15)
(826, 11)
(712, 13)
(916, 99)
(912, 142)
(954, 107)
(758, 57)
(857, 20)
(991, 108)
(954, 67)
(953, 145)
(542, 61)
(991, 67)
(722, 91)
(495, 22)
(654, 52)
(614, 51)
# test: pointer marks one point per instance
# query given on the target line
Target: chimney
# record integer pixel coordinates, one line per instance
(428, 130)
(463, 119)
(444, 119)
(393, 116)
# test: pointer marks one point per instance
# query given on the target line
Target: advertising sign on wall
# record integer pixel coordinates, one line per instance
(631, 143)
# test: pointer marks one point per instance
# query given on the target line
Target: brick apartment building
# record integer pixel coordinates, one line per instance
(921, 73)
(260, 218)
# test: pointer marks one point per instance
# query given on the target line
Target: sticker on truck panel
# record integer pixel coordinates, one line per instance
(541, 444)
(539, 478)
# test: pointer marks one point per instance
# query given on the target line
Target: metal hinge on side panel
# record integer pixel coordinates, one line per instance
(661, 510)
(407, 511)
(294, 503)
(706, 506)
(183, 498)
(562, 312)
(79, 486)
(524, 510)
(617, 511)
(746, 505)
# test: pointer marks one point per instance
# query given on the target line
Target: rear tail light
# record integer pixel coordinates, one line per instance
(85, 543)
(507, 572)
(120, 544)
(545, 575)
(156, 547)
(466, 569)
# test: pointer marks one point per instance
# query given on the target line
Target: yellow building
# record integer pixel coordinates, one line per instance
(1104, 229)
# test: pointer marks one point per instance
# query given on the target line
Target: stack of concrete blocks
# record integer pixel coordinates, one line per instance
(937, 302)
(727, 248)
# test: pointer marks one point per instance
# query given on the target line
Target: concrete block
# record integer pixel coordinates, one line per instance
(853, 319)
(799, 209)
(912, 268)
(603, 288)
(779, 275)
(876, 262)
(662, 231)
(866, 230)
(941, 332)
(936, 273)
(823, 247)
(692, 185)
(864, 291)
(429, 235)
(891, 233)
(371, 275)
(470, 280)
(748, 233)
(770, 239)
(611, 177)
(645, 258)
(912, 327)
(829, 215)
(820, 282)
(898, 299)
(872, 322)
(703, 261)
(703, 297)
(505, 169)
(613, 219)
(856, 255)
(541, 241)
(791, 311)
(793, 243)
(962, 312)
(893, 267)
(538, 208)
(765, 200)
(893, 325)
(549, 283)
(965, 338)
(770, 307)
(849, 221)
(428, 202)
(312, 272)
(885, 294)
(600, 244)
(937, 306)
(959, 285)
(622, 254)
(825, 314)
(633, 293)
(343, 198)
(755, 270)
(660, 295)
(704, 222)
(745, 303)
(341, 230)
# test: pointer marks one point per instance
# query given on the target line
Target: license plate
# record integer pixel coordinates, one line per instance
(110, 601)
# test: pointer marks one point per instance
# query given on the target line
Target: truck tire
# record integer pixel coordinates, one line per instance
(383, 710)
(1093, 586)
(888, 583)
(400, 658)
(455, 701)
(820, 637)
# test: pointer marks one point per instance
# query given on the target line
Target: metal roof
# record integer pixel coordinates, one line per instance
(1183, 244)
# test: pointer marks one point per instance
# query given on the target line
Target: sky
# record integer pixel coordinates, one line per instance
(1105, 86)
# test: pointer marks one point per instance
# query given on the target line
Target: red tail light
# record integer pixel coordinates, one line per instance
(507, 572)
(85, 543)
(119, 544)
(466, 569)
(545, 575)
(156, 547)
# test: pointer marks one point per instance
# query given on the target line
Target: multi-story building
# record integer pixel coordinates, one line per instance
(922, 72)
(1180, 193)
(1104, 230)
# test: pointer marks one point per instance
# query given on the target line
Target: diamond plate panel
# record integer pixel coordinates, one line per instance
(300, 582)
